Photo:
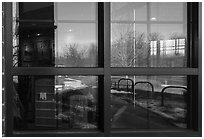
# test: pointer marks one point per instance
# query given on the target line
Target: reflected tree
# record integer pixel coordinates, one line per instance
(92, 55)
(78, 56)
(73, 56)
(122, 50)
(146, 51)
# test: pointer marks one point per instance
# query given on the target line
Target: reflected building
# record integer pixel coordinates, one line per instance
(168, 53)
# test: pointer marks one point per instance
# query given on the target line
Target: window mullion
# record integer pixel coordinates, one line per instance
(8, 69)
(107, 70)
(200, 67)
(56, 71)
(154, 71)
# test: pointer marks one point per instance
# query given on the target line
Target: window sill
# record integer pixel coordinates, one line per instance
(79, 133)
(155, 133)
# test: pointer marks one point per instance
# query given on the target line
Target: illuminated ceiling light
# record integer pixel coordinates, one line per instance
(70, 30)
(38, 34)
(153, 19)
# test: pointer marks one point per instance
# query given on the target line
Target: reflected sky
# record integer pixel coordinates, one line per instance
(82, 34)
(158, 11)
(76, 11)
(119, 30)
(85, 34)
(167, 30)
(125, 11)
(138, 11)
(167, 11)
(81, 21)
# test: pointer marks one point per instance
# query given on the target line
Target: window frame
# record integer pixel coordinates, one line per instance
(105, 71)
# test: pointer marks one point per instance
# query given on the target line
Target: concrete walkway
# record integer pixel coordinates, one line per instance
(126, 116)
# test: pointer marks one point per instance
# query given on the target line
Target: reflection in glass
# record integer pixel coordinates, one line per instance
(152, 42)
(76, 10)
(15, 28)
(126, 11)
(55, 102)
(167, 31)
(143, 106)
(76, 45)
(167, 11)
(38, 43)
(129, 48)
(36, 10)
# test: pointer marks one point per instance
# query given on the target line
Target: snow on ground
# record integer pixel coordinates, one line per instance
(175, 113)
(120, 92)
(71, 84)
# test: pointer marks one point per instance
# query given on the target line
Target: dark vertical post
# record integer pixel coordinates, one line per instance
(194, 58)
(193, 46)
(101, 34)
(133, 90)
(8, 68)
(3, 72)
(101, 64)
(194, 64)
(189, 63)
(200, 68)
(107, 69)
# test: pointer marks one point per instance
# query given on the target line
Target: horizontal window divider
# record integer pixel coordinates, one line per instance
(76, 21)
(155, 133)
(56, 71)
(70, 133)
(35, 21)
(57, 21)
(149, 22)
(153, 71)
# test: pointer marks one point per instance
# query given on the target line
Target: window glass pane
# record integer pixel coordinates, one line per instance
(49, 44)
(168, 46)
(151, 43)
(167, 11)
(149, 102)
(124, 43)
(76, 45)
(55, 102)
(130, 11)
(33, 45)
(36, 10)
(76, 11)
(119, 35)
(167, 31)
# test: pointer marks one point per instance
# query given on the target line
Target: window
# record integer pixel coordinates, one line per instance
(101, 69)
(149, 35)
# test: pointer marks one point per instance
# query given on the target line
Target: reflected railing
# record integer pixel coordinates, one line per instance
(170, 86)
(148, 97)
(152, 101)
(127, 79)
